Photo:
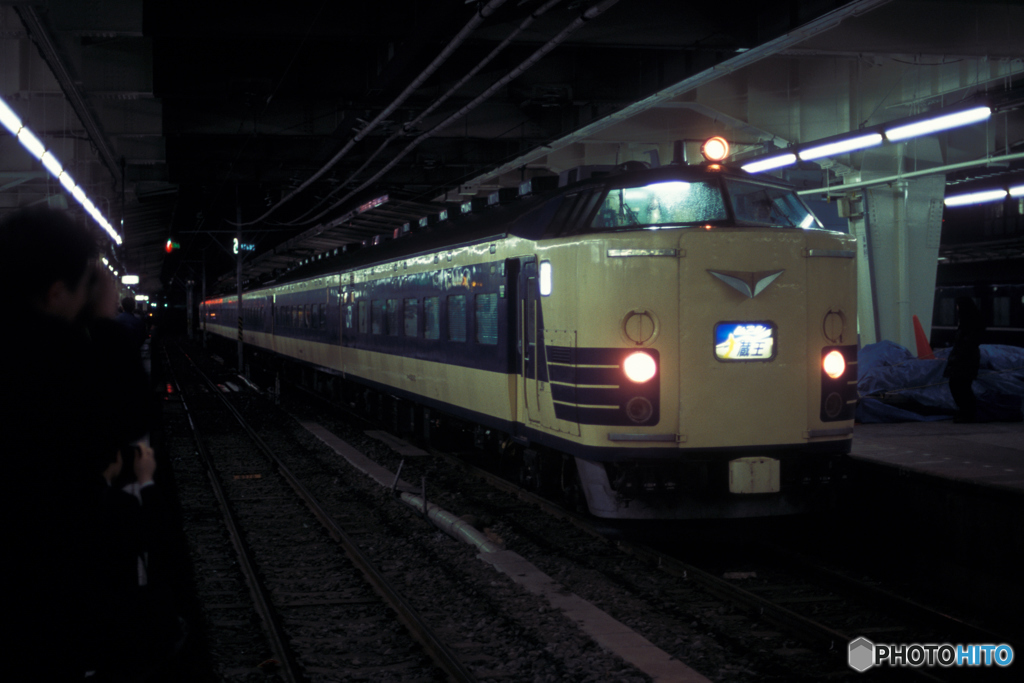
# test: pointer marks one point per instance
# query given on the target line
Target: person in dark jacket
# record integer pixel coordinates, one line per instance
(964, 359)
(53, 437)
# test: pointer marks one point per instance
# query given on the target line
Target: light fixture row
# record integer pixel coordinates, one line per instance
(984, 196)
(896, 133)
(37, 149)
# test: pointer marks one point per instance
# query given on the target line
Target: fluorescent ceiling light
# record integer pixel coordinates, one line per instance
(67, 182)
(841, 146)
(36, 148)
(9, 118)
(1017, 191)
(31, 143)
(937, 123)
(51, 164)
(975, 198)
(769, 163)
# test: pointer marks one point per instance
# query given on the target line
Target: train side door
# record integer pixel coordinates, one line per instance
(526, 346)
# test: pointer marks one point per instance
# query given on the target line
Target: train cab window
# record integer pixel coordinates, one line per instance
(364, 317)
(487, 318)
(411, 320)
(767, 205)
(669, 204)
(457, 318)
(432, 317)
(393, 311)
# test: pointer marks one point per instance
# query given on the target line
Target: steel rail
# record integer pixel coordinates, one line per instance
(261, 599)
(419, 629)
(807, 629)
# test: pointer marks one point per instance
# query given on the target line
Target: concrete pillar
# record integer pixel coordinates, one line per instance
(898, 227)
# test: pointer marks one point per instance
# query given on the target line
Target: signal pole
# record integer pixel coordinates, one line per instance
(238, 279)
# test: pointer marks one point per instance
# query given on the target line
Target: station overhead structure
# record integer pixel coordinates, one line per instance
(297, 129)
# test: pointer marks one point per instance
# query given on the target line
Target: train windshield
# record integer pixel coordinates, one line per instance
(673, 203)
(757, 204)
(679, 204)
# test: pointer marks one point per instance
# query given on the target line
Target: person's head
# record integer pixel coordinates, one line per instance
(128, 304)
(103, 297)
(49, 259)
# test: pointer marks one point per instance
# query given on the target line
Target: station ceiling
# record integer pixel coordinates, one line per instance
(315, 123)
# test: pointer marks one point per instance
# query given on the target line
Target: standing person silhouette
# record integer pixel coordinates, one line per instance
(964, 359)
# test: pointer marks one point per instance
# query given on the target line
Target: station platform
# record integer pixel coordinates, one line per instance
(944, 504)
(987, 454)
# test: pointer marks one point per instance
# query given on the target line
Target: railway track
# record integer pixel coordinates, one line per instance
(822, 607)
(319, 599)
(776, 602)
(499, 631)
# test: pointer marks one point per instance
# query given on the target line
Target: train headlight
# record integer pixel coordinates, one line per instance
(715, 149)
(639, 367)
(834, 364)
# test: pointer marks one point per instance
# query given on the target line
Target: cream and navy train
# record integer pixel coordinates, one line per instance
(675, 342)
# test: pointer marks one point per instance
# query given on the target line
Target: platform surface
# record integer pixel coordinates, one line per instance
(989, 454)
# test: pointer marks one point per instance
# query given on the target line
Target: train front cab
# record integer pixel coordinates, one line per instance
(741, 417)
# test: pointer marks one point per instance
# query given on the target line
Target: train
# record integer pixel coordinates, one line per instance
(676, 342)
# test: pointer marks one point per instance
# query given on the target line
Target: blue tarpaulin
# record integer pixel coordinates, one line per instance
(896, 386)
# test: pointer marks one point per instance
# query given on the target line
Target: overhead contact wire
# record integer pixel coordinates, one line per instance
(586, 16)
(429, 110)
(447, 52)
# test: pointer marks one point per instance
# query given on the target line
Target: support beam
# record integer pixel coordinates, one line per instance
(51, 55)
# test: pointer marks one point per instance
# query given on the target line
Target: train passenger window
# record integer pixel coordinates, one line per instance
(487, 318)
(323, 316)
(673, 203)
(457, 318)
(432, 317)
(411, 312)
(349, 316)
(394, 328)
(377, 322)
(364, 317)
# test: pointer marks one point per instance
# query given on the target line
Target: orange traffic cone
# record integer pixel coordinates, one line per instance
(924, 349)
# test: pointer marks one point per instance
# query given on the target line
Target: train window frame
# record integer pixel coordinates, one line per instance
(393, 308)
(457, 324)
(378, 317)
(411, 306)
(486, 328)
(774, 207)
(630, 207)
(432, 317)
(363, 313)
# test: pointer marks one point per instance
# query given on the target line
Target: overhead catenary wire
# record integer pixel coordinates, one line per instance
(484, 12)
(586, 16)
(429, 110)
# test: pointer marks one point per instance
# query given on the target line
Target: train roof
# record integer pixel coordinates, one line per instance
(525, 216)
